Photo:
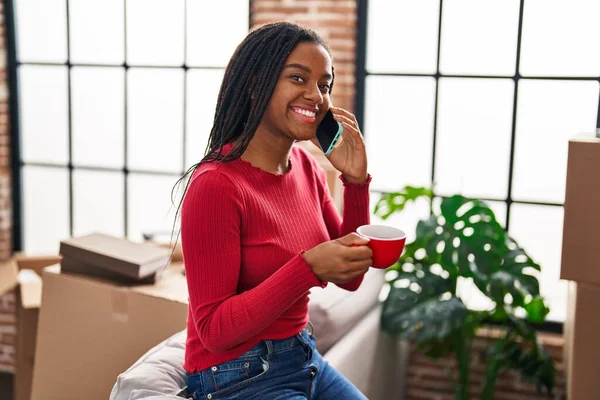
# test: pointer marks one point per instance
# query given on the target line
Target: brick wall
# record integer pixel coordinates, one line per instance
(428, 380)
(7, 302)
(5, 173)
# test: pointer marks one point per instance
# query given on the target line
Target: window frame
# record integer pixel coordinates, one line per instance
(16, 156)
(361, 74)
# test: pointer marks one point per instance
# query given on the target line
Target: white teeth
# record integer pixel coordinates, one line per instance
(310, 114)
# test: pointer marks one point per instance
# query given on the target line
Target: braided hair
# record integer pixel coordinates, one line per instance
(248, 84)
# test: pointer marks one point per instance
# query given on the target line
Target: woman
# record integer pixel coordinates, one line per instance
(259, 228)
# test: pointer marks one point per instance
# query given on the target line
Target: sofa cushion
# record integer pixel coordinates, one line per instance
(157, 374)
(333, 311)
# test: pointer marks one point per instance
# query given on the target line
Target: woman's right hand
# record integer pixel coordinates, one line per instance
(340, 260)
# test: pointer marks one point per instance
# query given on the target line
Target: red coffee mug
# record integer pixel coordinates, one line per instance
(386, 242)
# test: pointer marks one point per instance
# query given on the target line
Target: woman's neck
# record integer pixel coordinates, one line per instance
(268, 152)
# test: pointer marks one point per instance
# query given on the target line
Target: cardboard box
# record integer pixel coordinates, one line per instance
(581, 232)
(92, 330)
(21, 273)
(581, 350)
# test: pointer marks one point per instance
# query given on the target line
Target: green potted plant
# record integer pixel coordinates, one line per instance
(463, 239)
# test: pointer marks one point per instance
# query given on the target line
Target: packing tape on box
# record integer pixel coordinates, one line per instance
(120, 308)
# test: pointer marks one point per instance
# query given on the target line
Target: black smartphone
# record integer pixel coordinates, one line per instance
(329, 133)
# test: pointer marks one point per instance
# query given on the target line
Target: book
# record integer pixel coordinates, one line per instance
(72, 266)
(119, 255)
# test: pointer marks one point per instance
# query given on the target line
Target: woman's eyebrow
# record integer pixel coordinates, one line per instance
(306, 69)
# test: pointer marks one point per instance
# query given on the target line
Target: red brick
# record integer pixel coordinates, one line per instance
(343, 34)
(274, 8)
(337, 20)
(341, 9)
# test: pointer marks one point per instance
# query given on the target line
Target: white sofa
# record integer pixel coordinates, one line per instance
(346, 325)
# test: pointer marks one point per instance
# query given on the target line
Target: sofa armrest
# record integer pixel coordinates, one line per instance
(334, 311)
(373, 361)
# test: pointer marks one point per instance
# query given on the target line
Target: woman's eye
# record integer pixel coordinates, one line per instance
(325, 87)
(297, 78)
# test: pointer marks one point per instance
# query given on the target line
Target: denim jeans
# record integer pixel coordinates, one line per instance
(287, 369)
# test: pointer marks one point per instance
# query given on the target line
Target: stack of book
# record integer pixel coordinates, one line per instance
(113, 258)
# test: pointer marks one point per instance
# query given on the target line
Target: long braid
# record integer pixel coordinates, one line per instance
(248, 84)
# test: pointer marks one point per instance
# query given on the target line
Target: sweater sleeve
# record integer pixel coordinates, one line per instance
(355, 213)
(211, 217)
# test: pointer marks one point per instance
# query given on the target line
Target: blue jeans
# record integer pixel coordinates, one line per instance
(287, 369)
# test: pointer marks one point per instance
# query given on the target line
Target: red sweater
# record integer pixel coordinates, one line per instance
(243, 231)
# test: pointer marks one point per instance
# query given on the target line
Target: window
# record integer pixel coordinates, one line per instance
(480, 98)
(115, 100)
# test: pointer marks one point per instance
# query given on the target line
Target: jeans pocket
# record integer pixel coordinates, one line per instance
(233, 375)
(230, 373)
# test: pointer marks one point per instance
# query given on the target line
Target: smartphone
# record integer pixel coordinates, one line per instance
(329, 133)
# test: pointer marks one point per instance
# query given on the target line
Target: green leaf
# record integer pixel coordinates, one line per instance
(520, 327)
(534, 365)
(436, 349)
(450, 207)
(502, 283)
(536, 310)
(426, 228)
(472, 238)
(406, 316)
(499, 314)
(391, 203)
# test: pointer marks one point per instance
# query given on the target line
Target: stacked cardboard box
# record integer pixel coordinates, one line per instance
(115, 301)
(92, 329)
(581, 266)
(21, 284)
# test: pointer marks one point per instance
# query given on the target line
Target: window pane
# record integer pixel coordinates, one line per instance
(45, 209)
(403, 36)
(87, 19)
(202, 92)
(399, 130)
(155, 32)
(479, 38)
(549, 114)
(499, 209)
(560, 38)
(97, 115)
(538, 229)
(155, 119)
(472, 296)
(473, 136)
(213, 32)
(406, 220)
(44, 113)
(41, 30)
(149, 205)
(98, 198)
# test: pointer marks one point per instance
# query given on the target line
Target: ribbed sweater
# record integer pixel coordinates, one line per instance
(243, 231)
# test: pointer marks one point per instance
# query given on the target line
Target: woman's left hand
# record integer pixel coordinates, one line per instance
(350, 154)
